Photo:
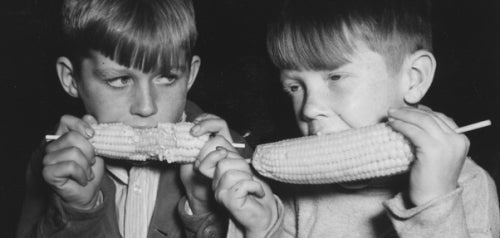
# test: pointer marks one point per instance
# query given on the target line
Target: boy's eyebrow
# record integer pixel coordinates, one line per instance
(104, 73)
(112, 72)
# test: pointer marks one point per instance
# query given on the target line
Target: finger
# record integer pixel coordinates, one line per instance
(70, 154)
(207, 165)
(211, 124)
(232, 154)
(245, 187)
(228, 164)
(90, 119)
(71, 123)
(229, 178)
(447, 121)
(419, 118)
(423, 107)
(204, 116)
(214, 143)
(415, 134)
(58, 174)
(444, 121)
(72, 139)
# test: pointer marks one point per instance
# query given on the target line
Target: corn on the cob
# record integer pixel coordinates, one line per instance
(167, 142)
(350, 155)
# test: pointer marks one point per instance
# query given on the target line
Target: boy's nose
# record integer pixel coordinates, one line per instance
(144, 103)
(312, 107)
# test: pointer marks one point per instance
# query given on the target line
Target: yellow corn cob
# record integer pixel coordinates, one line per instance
(167, 142)
(350, 155)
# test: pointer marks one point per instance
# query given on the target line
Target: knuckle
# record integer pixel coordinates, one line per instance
(50, 147)
(442, 115)
(70, 166)
(46, 174)
(223, 122)
(73, 136)
(65, 119)
(47, 160)
(219, 195)
(427, 118)
(464, 141)
(232, 175)
(224, 164)
(74, 152)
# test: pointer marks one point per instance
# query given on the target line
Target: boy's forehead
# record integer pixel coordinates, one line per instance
(361, 59)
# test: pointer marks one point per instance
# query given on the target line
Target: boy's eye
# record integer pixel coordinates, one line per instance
(292, 88)
(334, 77)
(166, 79)
(119, 82)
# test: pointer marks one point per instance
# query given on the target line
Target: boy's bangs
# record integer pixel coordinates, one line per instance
(148, 42)
(142, 52)
(298, 46)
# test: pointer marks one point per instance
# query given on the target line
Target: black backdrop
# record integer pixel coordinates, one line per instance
(236, 79)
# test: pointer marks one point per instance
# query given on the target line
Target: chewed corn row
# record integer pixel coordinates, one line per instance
(167, 142)
(351, 155)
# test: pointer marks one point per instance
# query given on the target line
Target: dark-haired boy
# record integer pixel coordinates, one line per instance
(130, 62)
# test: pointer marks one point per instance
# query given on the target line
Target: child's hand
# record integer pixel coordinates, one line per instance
(440, 152)
(198, 188)
(249, 200)
(70, 166)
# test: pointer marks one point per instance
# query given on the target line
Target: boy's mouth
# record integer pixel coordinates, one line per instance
(317, 131)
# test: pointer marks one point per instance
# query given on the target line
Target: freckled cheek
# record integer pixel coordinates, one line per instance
(171, 105)
(361, 109)
(109, 109)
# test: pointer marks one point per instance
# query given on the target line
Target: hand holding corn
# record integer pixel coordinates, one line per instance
(351, 155)
(70, 167)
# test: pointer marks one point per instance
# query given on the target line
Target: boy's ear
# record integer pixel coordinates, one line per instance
(195, 66)
(66, 76)
(420, 73)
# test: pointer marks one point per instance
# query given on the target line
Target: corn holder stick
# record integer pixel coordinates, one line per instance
(350, 155)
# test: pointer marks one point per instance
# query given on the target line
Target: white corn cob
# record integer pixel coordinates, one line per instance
(350, 155)
(167, 142)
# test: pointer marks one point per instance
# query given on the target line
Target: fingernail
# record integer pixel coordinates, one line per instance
(89, 132)
(195, 129)
(220, 148)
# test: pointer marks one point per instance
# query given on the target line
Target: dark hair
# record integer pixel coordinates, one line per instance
(144, 34)
(321, 34)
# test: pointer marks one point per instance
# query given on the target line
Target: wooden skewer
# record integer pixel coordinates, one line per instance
(473, 126)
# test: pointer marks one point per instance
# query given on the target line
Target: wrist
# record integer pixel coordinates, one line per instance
(266, 226)
(93, 203)
(420, 198)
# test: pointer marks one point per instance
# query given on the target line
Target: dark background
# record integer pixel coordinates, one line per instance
(236, 80)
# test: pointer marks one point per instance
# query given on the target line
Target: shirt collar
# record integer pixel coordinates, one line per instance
(118, 172)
